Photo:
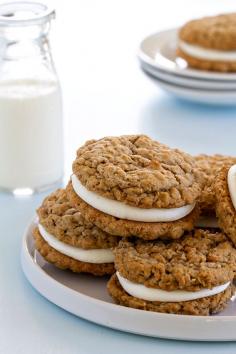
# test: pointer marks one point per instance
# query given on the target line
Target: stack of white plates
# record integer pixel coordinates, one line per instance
(157, 55)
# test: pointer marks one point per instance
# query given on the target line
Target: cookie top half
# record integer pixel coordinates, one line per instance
(67, 224)
(215, 32)
(138, 171)
(199, 260)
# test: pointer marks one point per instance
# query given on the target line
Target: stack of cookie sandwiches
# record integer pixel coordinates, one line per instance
(64, 238)
(130, 210)
(209, 43)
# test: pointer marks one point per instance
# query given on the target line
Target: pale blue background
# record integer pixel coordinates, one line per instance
(105, 93)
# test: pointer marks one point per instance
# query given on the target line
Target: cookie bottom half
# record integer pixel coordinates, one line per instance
(65, 262)
(204, 306)
(128, 228)
(210, 65)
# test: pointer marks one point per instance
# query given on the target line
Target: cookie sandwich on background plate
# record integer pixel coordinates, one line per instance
(190, 276)
(209, 43)
(132, 185)
(64, 238)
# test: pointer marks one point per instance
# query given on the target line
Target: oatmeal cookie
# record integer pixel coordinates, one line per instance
(63, 237)
(204, 306)
(190, 276)
(137, 171)
(128, 228)
(208, 166)
(64, 262)
(208, 43)
(199, 260)
(224, 208)
(214, 32)
(208, 65)
(67, 224)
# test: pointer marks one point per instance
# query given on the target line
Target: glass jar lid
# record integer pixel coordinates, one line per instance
(25, 13)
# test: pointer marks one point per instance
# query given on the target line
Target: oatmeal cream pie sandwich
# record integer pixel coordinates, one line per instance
(209, 43)
(190, 276)
(208, 167)
(64, 238)
(133, 185)
(225, 192)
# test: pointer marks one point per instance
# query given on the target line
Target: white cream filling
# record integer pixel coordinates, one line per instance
(208, 54)
(123, 211)
(97, 256)
(207, 221)
(232, 184)
(150, 294)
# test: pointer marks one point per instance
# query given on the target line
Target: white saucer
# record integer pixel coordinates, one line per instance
(86, 297)
(159, 50)
(213, 85)
(216, 97)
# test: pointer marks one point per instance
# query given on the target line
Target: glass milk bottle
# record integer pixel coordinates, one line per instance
(31, 131)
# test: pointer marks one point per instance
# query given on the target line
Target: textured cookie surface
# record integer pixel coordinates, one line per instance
(201, 260)
(204, 306)
(216, 32)
(138, 171)
(127, 228)
(208, 166)
(224, 207)
(68, 225)
(64, 262)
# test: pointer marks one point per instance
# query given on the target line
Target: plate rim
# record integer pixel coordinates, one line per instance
(216, 98)
(28, 261)
(186, 81)
(188, 72)
(193, 90)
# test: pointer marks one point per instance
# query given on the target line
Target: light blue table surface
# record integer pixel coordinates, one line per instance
(105, 93)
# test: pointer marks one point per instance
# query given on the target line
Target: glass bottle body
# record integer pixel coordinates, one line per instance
(31, 127)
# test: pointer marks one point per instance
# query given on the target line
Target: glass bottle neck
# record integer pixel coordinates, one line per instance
(24, 49)
(24, 42)
(25, 53)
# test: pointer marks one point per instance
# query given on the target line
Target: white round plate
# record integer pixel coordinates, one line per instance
(86, 297)
(159, 51)
(216, 97)
(189, 81)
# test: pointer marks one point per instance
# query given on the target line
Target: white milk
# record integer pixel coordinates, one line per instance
(31, 134)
